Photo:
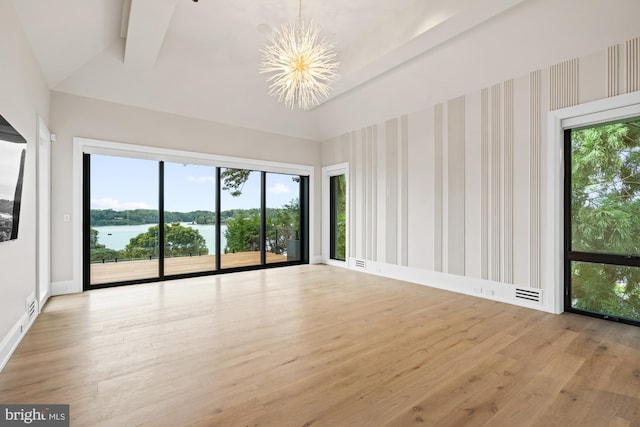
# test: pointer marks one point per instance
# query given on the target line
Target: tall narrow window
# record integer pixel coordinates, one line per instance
(189, 218)
(240, 200)
(283, 218)
(338, 217)
(123, 241)
(602, 220)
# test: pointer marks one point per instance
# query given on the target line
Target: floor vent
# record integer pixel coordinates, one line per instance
(529, 294)
(359, 263)
(31, 308)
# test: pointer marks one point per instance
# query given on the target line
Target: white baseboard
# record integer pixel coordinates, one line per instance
(65, 287)
(10, 342)
(487, 289)
(43, 301)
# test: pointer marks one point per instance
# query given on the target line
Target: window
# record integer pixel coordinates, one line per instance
(338, 217)
(602, 220)
(147, 220)
(241, 217)
(282, 218)
(121, 235)
(189, 218)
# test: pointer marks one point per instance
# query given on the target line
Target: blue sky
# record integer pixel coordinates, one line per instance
(120, 183)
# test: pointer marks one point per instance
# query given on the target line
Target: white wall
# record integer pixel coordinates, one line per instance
(74, 116)
(23, 96)
(533, 35)
(460, 141)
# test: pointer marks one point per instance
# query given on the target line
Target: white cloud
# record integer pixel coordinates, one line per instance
(202, 179)
(116, 205)
(279, 189)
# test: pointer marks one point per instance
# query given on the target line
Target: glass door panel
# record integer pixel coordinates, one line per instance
(283, 218)
(240, 205)
(603, 220)
(189, 218)
(338, 217)
(123, 238)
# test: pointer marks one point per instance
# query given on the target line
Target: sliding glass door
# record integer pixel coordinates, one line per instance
(282, 218)
(147, 220)
(602, 220)
(189, 218)
(123, 216)
(240, 202)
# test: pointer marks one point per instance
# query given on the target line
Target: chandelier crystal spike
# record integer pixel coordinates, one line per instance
(300, 66)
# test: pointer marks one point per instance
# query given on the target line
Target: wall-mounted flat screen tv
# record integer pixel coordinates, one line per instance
(12, 155)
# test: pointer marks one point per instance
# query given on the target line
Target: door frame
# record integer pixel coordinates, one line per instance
(96, 146)
(43, 190)
(327, 173)
(603, 110)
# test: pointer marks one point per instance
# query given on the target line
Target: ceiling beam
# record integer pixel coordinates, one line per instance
(148, 24)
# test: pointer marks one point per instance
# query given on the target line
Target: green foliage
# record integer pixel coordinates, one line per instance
(99, 252)
(233, 180)
(605, 214)
(179, 241)
(243, 231)
(283, 225)
(243, 234)
(102, 217)
(341, 216)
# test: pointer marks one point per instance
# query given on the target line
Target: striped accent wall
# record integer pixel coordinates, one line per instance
(508, 133)
(363, 182)
(372, 143)
(477, 173)
(633, 64)
(438, 187)
(392, 158)
(535, 120)
(456, 186)
(484, 171)
(353, 205)
(403, 192)
(496, 185)
(563, 85)
(613, 71)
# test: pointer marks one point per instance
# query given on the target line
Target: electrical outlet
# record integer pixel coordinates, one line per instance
(477, 290)
(488, 292)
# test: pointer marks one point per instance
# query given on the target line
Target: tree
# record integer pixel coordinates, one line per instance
(341, 216)
(233, 180)
(99, 252)
(283, 225)
(179, 241)
(605, 214)
(243, 234)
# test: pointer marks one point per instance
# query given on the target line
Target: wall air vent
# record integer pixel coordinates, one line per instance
(31, 307)
(529, 294)
(359, 263)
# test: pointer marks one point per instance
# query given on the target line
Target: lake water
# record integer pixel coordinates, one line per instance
(117, 236)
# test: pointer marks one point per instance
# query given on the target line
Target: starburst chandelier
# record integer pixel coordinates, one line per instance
(300, 66)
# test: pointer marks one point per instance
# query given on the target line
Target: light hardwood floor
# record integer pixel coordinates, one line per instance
(321, 346)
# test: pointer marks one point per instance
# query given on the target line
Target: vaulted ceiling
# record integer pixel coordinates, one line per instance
(200, 59)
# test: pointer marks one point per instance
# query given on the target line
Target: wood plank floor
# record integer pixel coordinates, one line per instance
(147, 269)
(321, 346)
